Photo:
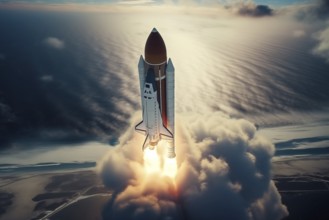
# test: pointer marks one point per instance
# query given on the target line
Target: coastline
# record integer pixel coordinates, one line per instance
(36, 195)
(302, 182)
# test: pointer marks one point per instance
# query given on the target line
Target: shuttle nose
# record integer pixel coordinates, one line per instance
(155, 48)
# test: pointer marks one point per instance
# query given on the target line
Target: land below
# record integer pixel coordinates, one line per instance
(302, 183)
(46, 196)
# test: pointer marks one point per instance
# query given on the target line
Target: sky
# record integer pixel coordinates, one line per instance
(69, 74)
(263, 2)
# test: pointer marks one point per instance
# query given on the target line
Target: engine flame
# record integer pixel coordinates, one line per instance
(151, 161)
(156, 161)
(170, 167)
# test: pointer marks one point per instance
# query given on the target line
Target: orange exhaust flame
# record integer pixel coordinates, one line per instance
(151, 161)
(156, 161)
(170, 167)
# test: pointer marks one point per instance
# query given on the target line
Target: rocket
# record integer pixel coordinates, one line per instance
(157, 89)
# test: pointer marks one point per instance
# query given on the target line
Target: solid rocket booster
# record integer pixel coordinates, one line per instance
(157, 87)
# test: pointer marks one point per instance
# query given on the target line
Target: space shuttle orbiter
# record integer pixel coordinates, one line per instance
(157, 87)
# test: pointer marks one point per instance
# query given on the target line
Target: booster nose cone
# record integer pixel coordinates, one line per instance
(155, 48)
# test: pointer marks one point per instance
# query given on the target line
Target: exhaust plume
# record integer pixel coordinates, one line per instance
(224, 172)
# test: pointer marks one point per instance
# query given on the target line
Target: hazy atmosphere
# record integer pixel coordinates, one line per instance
(252, 101)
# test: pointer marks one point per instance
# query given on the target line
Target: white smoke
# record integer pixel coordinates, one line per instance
(224, 172)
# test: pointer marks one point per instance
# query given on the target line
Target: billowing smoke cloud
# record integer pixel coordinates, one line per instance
(55, 43)
(136, 196)
(224, 173)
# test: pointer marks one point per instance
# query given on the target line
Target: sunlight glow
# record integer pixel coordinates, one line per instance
(156, 161)
(151, 160)
(170, 167)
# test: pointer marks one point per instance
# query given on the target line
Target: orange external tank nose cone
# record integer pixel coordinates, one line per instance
(155, 48)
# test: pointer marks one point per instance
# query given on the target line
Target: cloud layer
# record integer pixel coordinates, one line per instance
(236, 65)
(318, 15)
(322, 48)
(249, 8)
(224, 173)
(55, 43)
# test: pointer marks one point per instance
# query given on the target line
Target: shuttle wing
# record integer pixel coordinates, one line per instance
(145, 142)
(140, 127)
(165, 133)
